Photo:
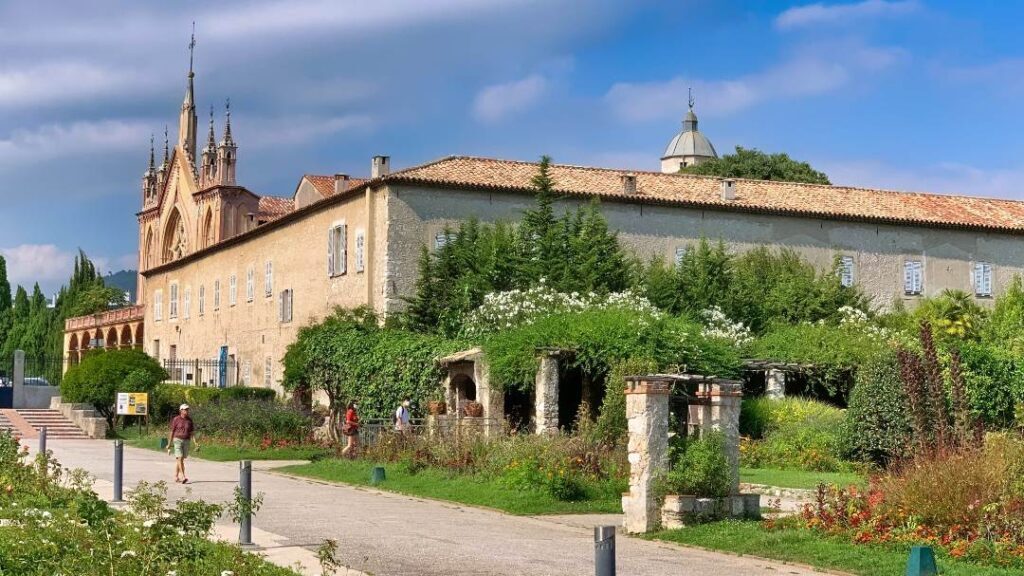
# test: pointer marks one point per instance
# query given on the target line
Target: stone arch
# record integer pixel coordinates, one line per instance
(138, 335)
(175, 239)
(111, 339)
(73, 349)
(126, 336)
(86, 341)
(208, 230)
(230, 221)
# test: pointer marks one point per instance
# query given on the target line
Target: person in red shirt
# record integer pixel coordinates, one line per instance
(351, 431)
(182, 431)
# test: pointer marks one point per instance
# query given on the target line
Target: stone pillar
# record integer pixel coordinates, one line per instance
(647, 417)
(775, 384)
(546, 390)
(19, 378)
(718, 409)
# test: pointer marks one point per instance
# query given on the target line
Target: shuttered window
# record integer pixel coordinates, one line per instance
(202, 299)
(913, 277)
(173, 308)
(846, 271)
(268, 279)
(232, 290)
(187, 303)
(680, 255)
(337, 250)
(250, 284)
(284, 306)
(982, 279)
(216, 294)
(158, 306)
(360, 250)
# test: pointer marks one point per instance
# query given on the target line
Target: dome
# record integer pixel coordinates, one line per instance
(690, 142)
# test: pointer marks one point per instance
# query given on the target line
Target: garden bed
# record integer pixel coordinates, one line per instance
(469, 489)
(811, 548)
(798, 479)
(222, 451)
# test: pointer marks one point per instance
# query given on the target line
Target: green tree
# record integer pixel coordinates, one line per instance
(756, 165)
(102, 374)
(5, 303)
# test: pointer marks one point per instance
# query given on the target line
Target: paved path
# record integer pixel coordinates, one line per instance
(388, 534)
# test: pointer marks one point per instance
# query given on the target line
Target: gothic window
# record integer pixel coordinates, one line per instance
(208, 231)
(175, 238)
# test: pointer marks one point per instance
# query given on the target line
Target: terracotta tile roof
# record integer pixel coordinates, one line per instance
(325, 184)
(813, 200)
(272, 207)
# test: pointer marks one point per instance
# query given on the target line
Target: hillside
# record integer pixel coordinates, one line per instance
(125, 280)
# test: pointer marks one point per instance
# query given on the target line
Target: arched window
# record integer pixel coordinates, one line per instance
(149, 250)
(175, 238)
(208, 232)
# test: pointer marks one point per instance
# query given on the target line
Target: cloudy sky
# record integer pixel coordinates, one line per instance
(904, 94)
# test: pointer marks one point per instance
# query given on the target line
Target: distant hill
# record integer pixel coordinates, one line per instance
(125, 280)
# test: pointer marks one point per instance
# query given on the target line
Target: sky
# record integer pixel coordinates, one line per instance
(902, 94)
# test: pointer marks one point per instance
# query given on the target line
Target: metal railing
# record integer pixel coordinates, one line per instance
(39, 370)
(196, 372)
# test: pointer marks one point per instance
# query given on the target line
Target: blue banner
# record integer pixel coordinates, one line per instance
(223, 376)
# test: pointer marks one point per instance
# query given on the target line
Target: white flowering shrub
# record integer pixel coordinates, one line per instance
(512, 308)
(718, 325)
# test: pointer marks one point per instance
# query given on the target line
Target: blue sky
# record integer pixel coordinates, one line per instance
(902, 94)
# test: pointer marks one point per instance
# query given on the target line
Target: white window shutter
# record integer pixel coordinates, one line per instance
(988, 279)
(343, 249)
(918, 277)
(330, 252)
(680, 255)
(280, 307)
(908, 277)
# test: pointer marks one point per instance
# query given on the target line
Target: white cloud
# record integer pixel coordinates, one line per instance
(941, 178)
(63, 82)
(61, 140)
(821, 14)
(43, 263)
(496, 102)
(292, 130)
(809, 74)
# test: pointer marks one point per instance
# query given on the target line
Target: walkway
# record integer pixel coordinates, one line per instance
(388, 534)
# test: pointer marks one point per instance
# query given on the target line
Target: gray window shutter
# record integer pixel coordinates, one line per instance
(330, 252)
(343, 249)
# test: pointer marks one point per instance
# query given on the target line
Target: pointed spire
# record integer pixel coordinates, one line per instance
(227, 123)
(211, 140)
(152, 159)
(167, 152)
(187, 123)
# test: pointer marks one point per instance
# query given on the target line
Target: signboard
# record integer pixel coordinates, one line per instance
(132, 403)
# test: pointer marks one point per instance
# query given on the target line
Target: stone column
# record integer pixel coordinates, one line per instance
(546, 390)
(19, 379)
(775, 384)
(647, 417)
(718, 409)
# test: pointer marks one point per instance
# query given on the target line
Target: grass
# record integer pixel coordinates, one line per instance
(217, 452)
(798, 478)
(462, 488)
(807, 547)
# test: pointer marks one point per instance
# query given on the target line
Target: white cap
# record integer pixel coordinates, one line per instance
(183, 407)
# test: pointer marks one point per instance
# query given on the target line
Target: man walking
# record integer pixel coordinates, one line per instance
(182, 430)
(402, 417)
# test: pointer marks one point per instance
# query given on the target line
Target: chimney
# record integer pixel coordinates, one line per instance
(380, 167)
(728, 189)
(629, 184)
(340, 183)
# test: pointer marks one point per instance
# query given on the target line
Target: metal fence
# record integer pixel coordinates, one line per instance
(39, 370)
(196, 372)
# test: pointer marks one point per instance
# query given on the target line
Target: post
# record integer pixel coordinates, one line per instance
(546, 391)
(245, 485)
(118, 470)
(42, 440)
(604, 550)
(720, 411)
(647, 421)
(19, 379)
(775, 384)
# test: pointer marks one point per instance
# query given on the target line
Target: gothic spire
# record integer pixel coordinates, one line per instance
(187, 124)
(211, 140)
(152, 159)
(167, 152)
(227, 123)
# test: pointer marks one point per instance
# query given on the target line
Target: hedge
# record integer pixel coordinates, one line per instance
(168, 397)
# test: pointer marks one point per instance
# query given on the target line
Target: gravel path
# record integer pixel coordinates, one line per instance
(389, 534)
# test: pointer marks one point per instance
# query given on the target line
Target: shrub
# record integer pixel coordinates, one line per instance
(104, 373)
(166, 397)
(252, 421)
(877, 427)
(796, 433)
(994, 379)
(611, 419)
(702, 470)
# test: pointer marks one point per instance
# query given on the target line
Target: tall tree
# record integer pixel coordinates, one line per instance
(753, 164)
(5, 303)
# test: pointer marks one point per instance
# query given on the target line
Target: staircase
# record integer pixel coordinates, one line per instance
(6, 426)
(28, 422)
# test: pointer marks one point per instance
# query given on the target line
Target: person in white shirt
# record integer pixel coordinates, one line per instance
(402, 417)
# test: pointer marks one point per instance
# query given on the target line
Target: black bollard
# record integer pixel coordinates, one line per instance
(245, 485)
(42, 440)
(604, 550)
(118, 469)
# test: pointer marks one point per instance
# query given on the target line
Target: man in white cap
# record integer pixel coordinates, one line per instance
(402, 417)
(182, 430)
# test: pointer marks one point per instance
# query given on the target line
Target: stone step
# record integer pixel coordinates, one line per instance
(57, 426)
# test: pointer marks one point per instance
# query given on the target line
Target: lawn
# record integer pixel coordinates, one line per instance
(461, 488)
(219, 452)
(798, 478)
(807, 547)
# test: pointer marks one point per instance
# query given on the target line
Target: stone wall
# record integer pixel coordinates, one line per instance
(647, 422)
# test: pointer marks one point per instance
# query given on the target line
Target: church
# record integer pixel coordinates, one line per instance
(227, 277)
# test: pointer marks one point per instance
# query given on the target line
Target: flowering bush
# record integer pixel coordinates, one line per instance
(792, 433)
(51, 522)
(718, 325)
(513, 308)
